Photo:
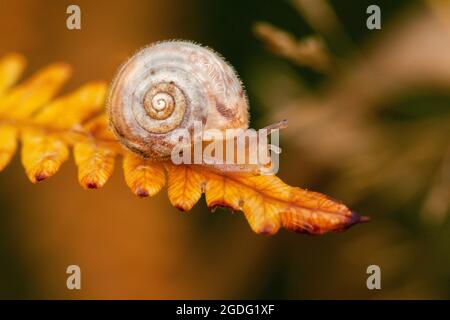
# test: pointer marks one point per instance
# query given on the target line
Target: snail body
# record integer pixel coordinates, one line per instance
(171, 85)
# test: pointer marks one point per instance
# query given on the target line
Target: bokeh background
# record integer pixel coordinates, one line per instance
(371, 129)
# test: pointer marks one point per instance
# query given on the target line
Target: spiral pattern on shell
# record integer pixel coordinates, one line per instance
(169, 86)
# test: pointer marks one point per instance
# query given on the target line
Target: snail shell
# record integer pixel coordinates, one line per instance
(170, 85)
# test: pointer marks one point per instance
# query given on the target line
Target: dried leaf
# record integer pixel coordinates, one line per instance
(48, 129)
(144, 177)
(310, 51)
(8, 144)
(184, 186)
(267, 202)
(23, 100)
(42, 154)
(95, 164)
(75, 108)
(11, 67)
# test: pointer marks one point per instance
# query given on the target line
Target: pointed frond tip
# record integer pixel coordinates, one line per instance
(267, 202)
(48, 127)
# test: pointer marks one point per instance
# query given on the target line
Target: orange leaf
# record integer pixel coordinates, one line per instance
(8, 144)
(95, 164)
(143, 177)
(47, 129)
(11, 68)
(42, 155)
(23, 100)
(74, 108)
(267, 202)
(185, 186)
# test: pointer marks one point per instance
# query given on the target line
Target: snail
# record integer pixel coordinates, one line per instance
(170, 85)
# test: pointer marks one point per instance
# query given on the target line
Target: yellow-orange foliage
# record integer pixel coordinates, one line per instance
(48, 127)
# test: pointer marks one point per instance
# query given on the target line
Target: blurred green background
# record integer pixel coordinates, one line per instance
(373, 133)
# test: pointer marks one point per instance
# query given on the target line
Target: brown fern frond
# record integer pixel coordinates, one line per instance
(48, 128)
(309, 52)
